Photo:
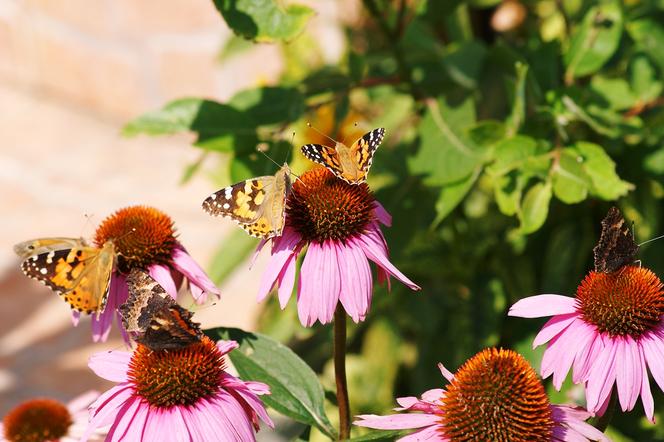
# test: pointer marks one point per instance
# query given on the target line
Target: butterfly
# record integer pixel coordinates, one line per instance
(257, 204)
(616, 247)
(351, 164)
(79, 273)
(153, 316)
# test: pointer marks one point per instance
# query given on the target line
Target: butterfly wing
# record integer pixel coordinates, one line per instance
(80, 275)
(616, 247)
(43, 245)
(157, 320)
(362, 151)
(325, 155)
(257, 204)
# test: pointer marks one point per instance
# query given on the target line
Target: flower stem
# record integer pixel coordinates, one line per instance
(340, 371)
(602, 422)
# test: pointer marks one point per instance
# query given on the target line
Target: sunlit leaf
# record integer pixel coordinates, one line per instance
(535, 207)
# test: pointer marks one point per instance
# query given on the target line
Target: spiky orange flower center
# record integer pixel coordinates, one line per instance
(629, 301)
(496, 395)
(166, 378)
(321, 207)
(37, 420)
(142, 236)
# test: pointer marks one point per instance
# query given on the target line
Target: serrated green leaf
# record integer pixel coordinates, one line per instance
(446, 153)
(264, 21)
(294, 387)
(600, 168)
(270, 105)
(570, 182)
(511, 154)
(233, 250)
(219, 127)
(595, 40)
(535, 207)
(616, 91)
(451, 195)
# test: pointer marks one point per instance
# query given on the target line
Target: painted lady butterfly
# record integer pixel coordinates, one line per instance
(616, 247)
(351, 164)
(153, 316)
(79, 273)
(256, 204)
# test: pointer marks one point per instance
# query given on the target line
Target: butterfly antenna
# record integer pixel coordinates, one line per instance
(321, 133)
(651, 240)
(288, 152)
(258, 149)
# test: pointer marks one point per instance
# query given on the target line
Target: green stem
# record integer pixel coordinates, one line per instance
(340, 371)
(602, 422)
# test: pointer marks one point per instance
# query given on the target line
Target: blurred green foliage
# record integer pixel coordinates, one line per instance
(506, 144)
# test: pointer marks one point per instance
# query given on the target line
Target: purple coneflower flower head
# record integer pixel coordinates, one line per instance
(42, 420)
(610, 334)
(177, 394)
(495, 395)
(338, 225)
(145, 238)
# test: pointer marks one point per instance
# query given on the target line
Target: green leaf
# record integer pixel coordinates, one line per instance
(464, 62)
(234, 249)
(446, 154)
(516, 118)
(648, 33)
(535, 207)
(512, 154)
(507, 191)
(451, 195)
(294, 388)
(600, 168)
(219, 127)
(270, 105)
(595, 40)
(616, 91)
(644, 79)
(654, 162)
(264, 21)
(570, 182)
(383, 435)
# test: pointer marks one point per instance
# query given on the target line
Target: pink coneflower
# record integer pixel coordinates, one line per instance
(609, 334)
(144, 238)
(181, 394)
(495, 395)
(42, 420)
(339, 224)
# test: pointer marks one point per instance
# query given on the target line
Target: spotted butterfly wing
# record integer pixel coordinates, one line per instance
(80, 275)
(42, 245)
(616, 247)
(153, 316)
(351, 164)
(257, 204)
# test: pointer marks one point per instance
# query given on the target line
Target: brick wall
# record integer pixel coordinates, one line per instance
(120, 58)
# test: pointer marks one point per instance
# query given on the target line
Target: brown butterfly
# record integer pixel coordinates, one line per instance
(257, 204)
(351, 164)
(153, 316)
(616, 247)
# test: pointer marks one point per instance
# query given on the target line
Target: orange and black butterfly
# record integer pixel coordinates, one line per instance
(616, 247)
(351, 164)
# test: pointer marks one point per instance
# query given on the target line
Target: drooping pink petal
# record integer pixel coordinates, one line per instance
(567, 342)
(82, 401)
(122, 426)
(356, 281)
(106, 407)
(628, 372)
(117, 294)
(646, 394)
(248, 396)
(426, 434)
(558, 356)
(75, 317)
(382, 215)
(283, 248)
(572, 419)
(110, 365)
(601, 378)
(228, 409)
(164, 277)
(653, 350)
(318, 290)
(588, 355)
(374, 248)
(257, 252)
(553, 327)
(543, 305)
(402, 421)
(286, 281)
(186, 265)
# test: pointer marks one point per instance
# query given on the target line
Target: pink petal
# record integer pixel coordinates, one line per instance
(104, 410)
(259, 247)
(110, 365)
(75, 317)
(245, 394)
(374, 248)
(432, 434)
(445, 372)
(568, 340)
(653, 350)
(122, 427)
(543, 305)
(646, 394)
(400, 421)
(282, 250)
(574, 421)
(356, 282)
(82, 402)
(227, 346)
(117, 294)
(601, 377)
(286, 281)
(318, 291)
(553, 327)
(186, 265)
(163, 276)
(628, 372)
(382, 215)
(588, 355)
(229, 410)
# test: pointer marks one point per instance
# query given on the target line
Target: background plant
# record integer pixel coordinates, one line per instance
(506, 143)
